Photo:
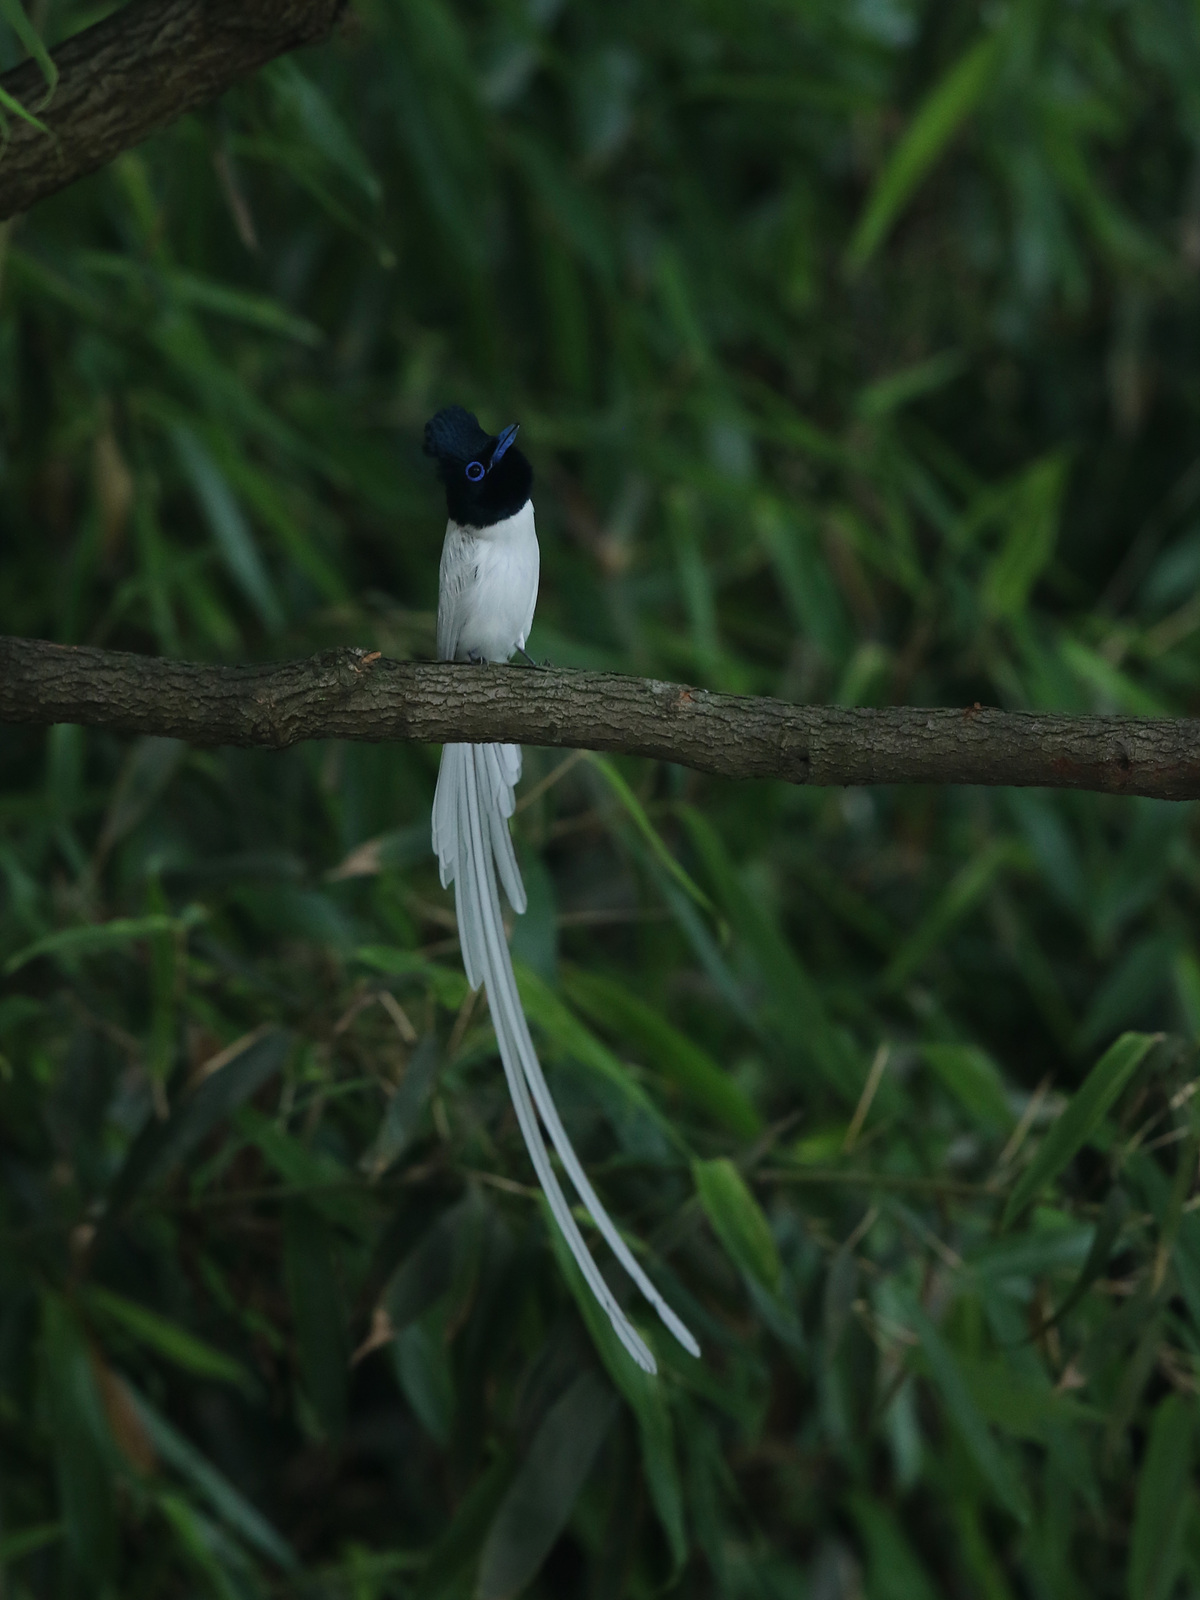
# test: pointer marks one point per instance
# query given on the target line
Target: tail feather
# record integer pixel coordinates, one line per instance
(501, 768)
(473, 801)
(445, 813)
(468, 902)
(481, 897)
(540, 1091)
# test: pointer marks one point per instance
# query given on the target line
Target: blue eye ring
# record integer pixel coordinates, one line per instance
(475, 470)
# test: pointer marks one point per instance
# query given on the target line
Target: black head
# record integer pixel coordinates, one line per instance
(487, 478)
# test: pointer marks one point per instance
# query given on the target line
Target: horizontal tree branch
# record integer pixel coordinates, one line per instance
(355, 694)
(131, 74)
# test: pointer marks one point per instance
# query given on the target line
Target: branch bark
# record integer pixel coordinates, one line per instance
(351, 694)
(134, 72)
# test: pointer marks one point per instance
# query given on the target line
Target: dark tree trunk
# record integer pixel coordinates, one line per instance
(133, 73)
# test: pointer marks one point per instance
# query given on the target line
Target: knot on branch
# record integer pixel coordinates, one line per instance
(348, 667)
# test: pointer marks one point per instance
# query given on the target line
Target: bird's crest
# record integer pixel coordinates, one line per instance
(454, 434)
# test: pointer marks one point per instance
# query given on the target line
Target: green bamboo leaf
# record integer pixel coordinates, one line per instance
(573, 1039)
(234, 1510)
(814, 601)
(894, 1571)
(448, 985)
(84, 1452)
(737, 1220)
(550, 179)
(311, 1273)
(973, 1078)
(796, 1006)
(299, 100)
(230, 530)
(993, 1465)
(1022, 1402)
(16, 1009)
(1030, 540)
(145, 773)
(405, 1110)
(938, 119)
(643, 1394)
(275, 504)
(116, 934)
(695, 1072)
(963, 893)
(458, 1545)
(1164, 1500)
(534, 937)
(223, 394)
(14, 13)
(888, 394)
(1028, 1255)
(422, 1364)
(1113, 1216)
(24, 1541)
(1084, 1113)
(165, 965)
(540, 1498)
(239, 305)
(202, 294)
(222, 1564)
(1186, 1261)
(637, 815)
(1109, 683)
(162, 1145)
(9, 103)
(426, 1273)
(1131, 990)
(695, 580)
(841, 1289)
(323, 183)
(167, 1338)
(1186, 972)
(330, 1186)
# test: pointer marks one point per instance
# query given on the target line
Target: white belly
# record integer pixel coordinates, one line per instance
(487, 589)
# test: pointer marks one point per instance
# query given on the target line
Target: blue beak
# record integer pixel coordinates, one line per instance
(506, 438)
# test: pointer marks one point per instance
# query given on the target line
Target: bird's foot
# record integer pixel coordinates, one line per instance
(538, 666)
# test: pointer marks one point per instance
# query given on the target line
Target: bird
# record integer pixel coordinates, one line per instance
(487, 591)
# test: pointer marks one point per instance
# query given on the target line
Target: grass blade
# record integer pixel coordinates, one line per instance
(1164, 1493)
(666, 1048)
(1085, 1112)
(643, 1393)
(116, 934)
(159, 1333)
(539, 1500)
(14, 14)
(939, 118)
(637, 815)
(966, 1416)
(737, 1220)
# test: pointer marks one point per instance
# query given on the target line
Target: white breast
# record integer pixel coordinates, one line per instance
(487, 588)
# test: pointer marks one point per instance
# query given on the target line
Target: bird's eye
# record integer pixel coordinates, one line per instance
(475, 470)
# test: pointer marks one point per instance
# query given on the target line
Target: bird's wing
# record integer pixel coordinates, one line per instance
(535, 560)
(455, 576)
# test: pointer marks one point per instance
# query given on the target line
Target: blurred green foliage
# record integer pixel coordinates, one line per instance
(855, 344)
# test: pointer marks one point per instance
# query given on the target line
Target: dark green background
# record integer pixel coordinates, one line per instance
(856, 344)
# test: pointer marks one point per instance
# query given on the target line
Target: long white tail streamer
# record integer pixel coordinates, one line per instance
(471, 807)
